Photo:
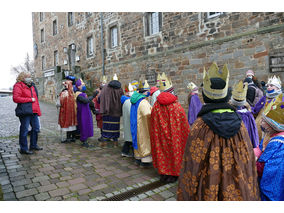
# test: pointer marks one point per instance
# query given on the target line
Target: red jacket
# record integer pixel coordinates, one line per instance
(23, 94)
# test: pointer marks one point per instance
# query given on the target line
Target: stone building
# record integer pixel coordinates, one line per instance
(141, 45)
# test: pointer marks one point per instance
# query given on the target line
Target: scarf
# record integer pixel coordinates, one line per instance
(273, 94)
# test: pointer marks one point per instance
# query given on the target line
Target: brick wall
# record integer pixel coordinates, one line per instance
(185, 44)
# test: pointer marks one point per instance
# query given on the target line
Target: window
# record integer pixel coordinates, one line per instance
(54, 26)
(113, 37)
(70, 19)
(88, 14)
(213, 14)
(153, 23)
(56, 58)
(90, 46)
(42, 62)
(42, 35)
(40, 16)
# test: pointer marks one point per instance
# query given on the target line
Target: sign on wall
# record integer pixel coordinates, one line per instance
(276, 62)
(49, 73)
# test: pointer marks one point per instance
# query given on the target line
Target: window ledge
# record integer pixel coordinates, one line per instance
(149, 37)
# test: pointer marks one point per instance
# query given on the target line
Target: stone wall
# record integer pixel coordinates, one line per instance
(186, 43)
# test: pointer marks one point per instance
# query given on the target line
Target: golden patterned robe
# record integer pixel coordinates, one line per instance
(143, 132)
(215, 168)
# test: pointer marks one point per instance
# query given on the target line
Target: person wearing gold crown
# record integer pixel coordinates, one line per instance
(154, 91)
(270, 162)
(140, 115)
(273, 90)
(169, 132)
(238, 100)
(111, 109)
(84, 115)
(218, 161)
(194, 103)
(126, 107)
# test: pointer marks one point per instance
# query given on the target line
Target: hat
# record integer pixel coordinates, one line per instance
(79, 82)
(250, 72)
(115, 77)
(239, 92)
(158, 79)
(143, 86)
(165, 83)
(192, 87)
(134, 85)
(215, 82)
(275, 111)
(274, 81)
(103, 79)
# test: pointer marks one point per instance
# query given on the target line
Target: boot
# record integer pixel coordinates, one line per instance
(85, 144)
(73, 136)
(68, 138)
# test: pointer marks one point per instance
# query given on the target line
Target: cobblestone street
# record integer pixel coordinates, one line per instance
(67, 171)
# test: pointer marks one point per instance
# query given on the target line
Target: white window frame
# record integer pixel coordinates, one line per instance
(214, 15)
(90, 46)
(114, 36)
(72, 18)
(152, 22)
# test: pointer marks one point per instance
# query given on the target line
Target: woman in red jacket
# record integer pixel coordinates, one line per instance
(28, 110)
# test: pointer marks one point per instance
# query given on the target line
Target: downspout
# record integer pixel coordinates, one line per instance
(102, 44)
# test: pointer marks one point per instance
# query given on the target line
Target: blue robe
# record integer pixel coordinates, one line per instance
(272, 180)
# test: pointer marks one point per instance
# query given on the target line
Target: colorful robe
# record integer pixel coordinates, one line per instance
(193, 108)
(140, 116)
(272, 180)
(215, 167)
(126, 107)
(85, 119)
(169, 133)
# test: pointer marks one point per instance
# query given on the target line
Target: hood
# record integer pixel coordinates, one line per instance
(136, 97)
(123, 99)
(152, 90)
(166, 98)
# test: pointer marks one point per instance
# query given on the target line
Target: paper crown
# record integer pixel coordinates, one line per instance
(165, 82)
(191, 86)
(239, 92)
(214, 72)
(275, 81)
(275, 109)
(134, 85)
(144, 86)
(115, 77)
(103, 79)
(158, 78)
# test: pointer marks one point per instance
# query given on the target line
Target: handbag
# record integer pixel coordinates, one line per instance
(24, 109)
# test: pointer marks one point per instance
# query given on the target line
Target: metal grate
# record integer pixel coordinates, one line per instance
(134, 192)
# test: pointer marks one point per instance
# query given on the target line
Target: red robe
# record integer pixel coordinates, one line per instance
(169, 133)
(67, 113)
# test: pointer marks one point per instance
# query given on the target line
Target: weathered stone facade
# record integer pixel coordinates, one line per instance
(185, 43)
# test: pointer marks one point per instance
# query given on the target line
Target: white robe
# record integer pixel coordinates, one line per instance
(126, 107)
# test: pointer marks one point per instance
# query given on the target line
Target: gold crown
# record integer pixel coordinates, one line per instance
(191, 86)
(158, 78)
(214, 72)
(165, 82)
(144, 86)
(240, 91)
(115, 77)
(103, 79)
(275, 81)
(275, 110)
(135, 84)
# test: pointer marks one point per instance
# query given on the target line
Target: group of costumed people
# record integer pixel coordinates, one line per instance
(230, 145)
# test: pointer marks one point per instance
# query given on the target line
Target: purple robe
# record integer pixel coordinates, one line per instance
(259, 105)
(250, 125)
(193, 108)
(85, 120)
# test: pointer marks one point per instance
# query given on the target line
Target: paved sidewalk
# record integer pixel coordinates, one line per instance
(71, 172)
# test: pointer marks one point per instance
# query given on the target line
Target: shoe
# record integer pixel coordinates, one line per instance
(26, 152)
(163, 178)
(85, 144)
(171, 179)
(72, 140)
(126, 155)
(145, 165)
(37, 148)
(137, 162)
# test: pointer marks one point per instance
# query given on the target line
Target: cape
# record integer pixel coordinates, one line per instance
(194, 107)
(169, 132)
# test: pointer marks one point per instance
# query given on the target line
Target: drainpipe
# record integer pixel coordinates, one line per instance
(102, 44)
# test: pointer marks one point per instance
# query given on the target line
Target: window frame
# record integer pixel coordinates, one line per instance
(92, 45)
(70, 24)
(41, 16)
(56, 58)
(42, 35)
(43, 63)
(148, 22)
(54, 32)
(111, 36)
(214, 15)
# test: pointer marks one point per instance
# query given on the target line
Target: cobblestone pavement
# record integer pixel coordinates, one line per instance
(68, 171)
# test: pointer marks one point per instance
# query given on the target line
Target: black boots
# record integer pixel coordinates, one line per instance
(70, 137)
